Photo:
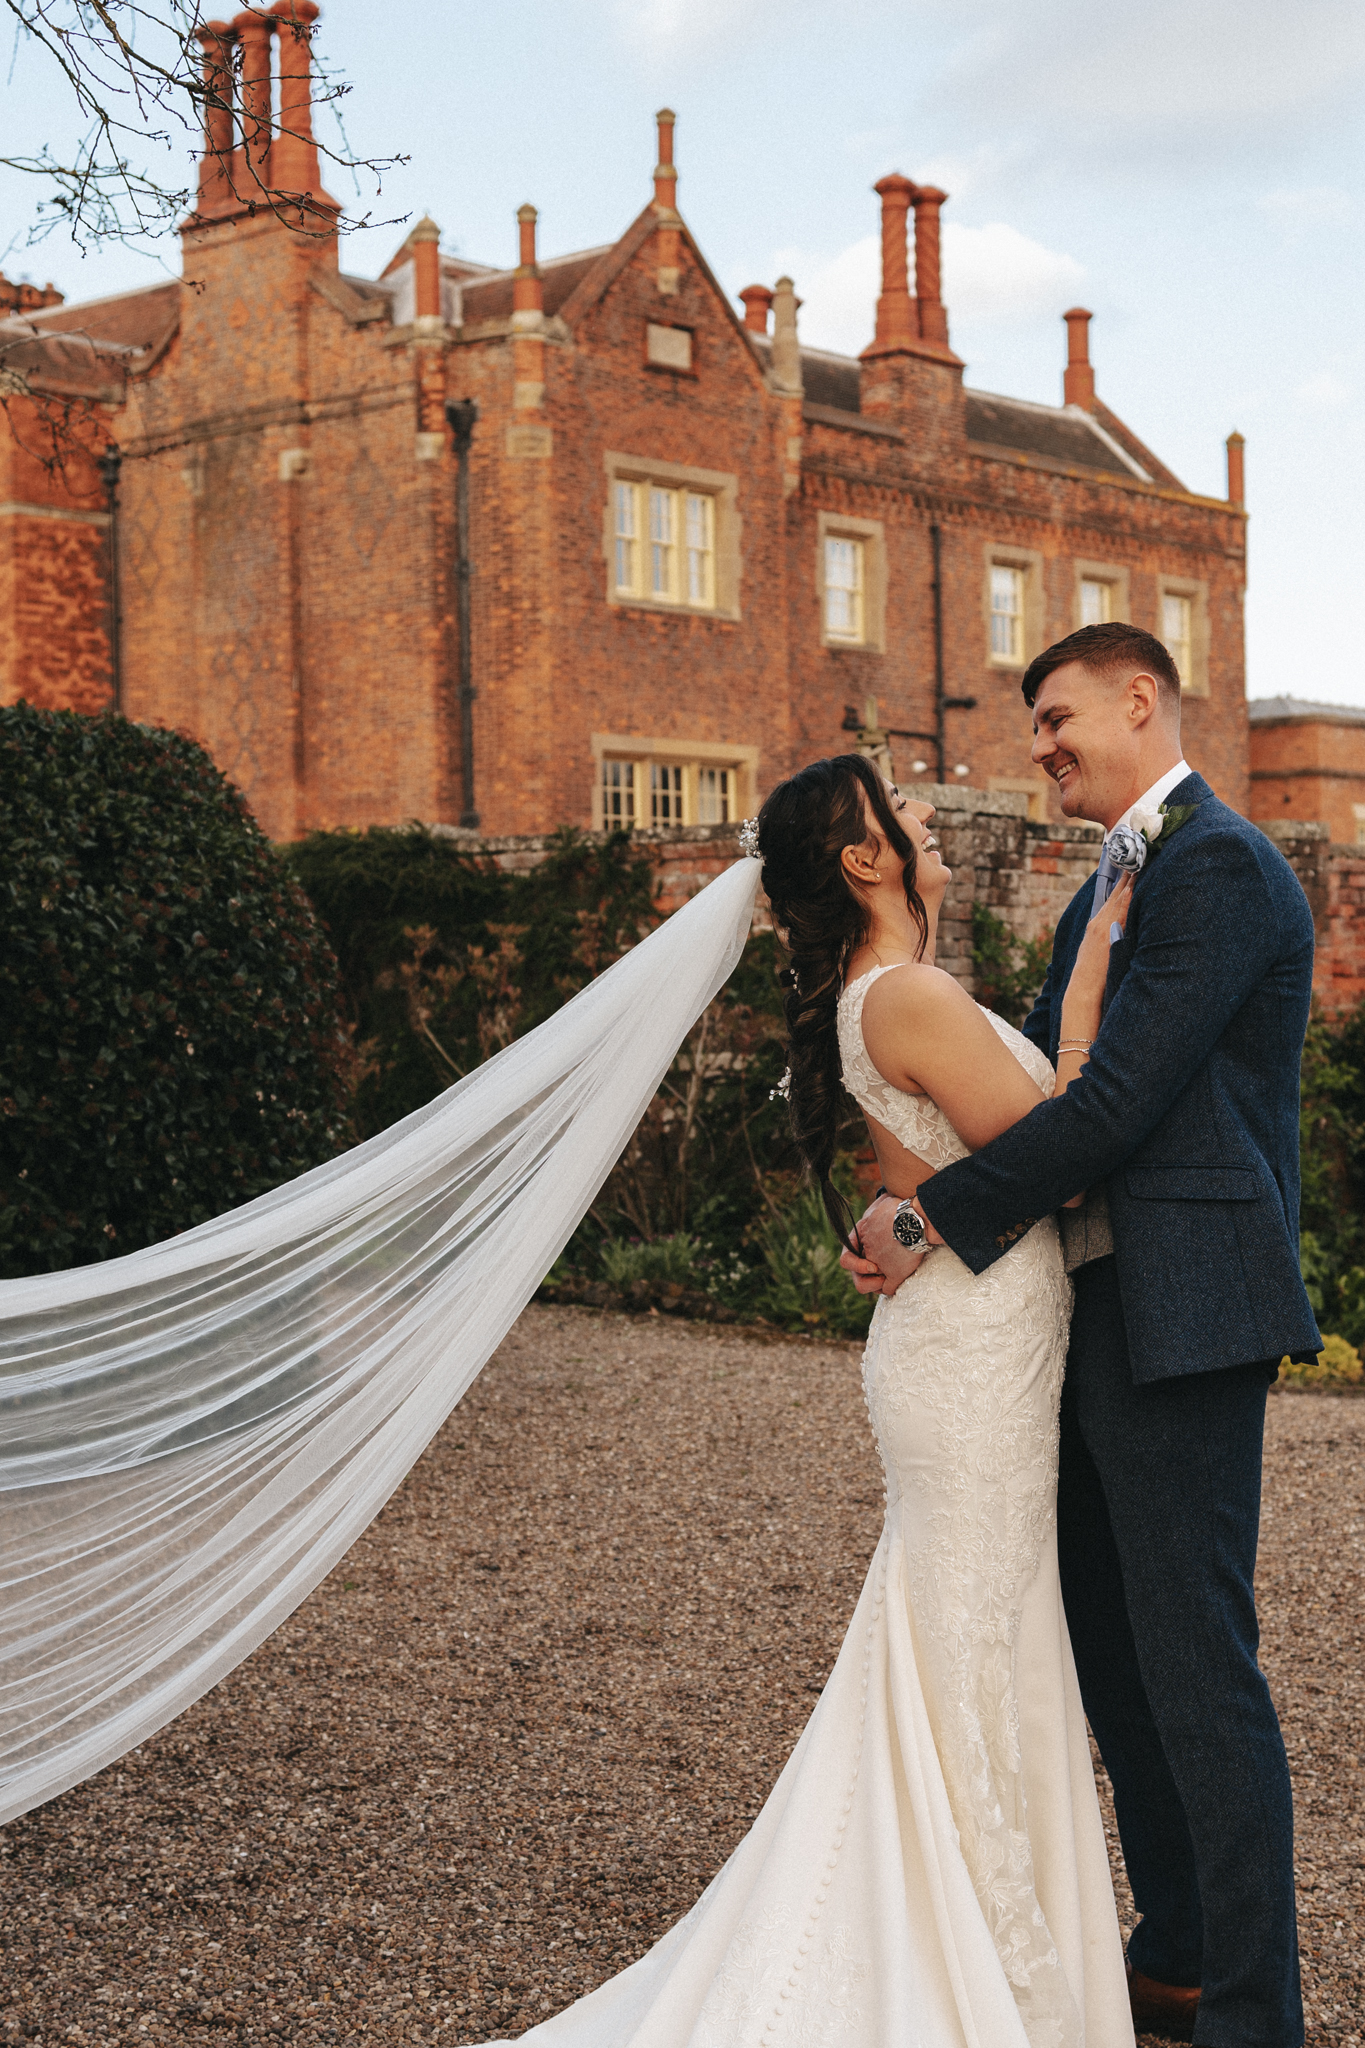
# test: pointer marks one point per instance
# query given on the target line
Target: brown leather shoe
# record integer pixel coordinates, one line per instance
(1167, 2010)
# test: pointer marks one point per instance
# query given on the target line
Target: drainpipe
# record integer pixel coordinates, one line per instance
(462, 414)
(109, 464)
(942, 704)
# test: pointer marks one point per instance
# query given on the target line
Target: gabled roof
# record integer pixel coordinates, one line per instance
(1058, 433)
(89, 351)
(489, 295)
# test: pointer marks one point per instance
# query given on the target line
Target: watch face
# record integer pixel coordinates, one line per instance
(908, 1230)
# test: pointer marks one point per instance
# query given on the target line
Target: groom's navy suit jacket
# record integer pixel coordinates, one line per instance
(1188, 1111)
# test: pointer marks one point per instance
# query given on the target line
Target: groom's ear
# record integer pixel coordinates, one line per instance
(1143, 693)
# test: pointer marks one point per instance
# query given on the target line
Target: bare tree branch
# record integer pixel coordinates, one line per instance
(140, 86)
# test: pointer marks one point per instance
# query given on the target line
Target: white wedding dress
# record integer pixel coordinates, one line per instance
(930, 1868)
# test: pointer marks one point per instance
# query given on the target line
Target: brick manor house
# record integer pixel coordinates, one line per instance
(692, 555)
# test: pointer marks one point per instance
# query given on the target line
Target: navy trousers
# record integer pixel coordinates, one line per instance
(1159, 1500)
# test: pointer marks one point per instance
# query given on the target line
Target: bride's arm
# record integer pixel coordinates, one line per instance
(924, 1033)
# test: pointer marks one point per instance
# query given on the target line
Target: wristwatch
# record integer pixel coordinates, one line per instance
(909, 1228)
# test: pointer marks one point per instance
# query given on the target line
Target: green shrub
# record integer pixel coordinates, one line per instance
(445, 957)
(1336, 1365)
(668, 1260)
(171, 1044)
(806, 1286)
(1009, 971)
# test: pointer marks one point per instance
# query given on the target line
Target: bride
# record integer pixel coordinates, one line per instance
(930, 1867)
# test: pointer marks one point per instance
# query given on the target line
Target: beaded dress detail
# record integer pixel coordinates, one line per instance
(930, 1869)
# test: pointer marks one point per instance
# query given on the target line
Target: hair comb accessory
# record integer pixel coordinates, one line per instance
(748, 838)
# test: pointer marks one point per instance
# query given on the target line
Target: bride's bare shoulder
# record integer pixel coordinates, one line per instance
(915, 989)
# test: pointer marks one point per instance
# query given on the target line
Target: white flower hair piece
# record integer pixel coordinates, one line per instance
(783, 1088)
(748, 838)
(1127, 849)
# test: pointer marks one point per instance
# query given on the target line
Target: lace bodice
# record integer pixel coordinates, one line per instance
(914, 1120)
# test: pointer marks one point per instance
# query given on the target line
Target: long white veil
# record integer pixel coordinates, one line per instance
(193, 1435)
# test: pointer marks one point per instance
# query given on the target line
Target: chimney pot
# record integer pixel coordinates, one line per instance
(215, 38)
(528, 292)
(1236, 446)
(756, 300)
(897, 322)
(252, 29)
(933, 315)
(665, 174)
(426, 263)
(295, 162)
(1078, 383)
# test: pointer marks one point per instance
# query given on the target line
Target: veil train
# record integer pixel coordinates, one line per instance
(192, 1436)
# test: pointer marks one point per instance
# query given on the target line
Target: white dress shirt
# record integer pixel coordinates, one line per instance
(1151, 799)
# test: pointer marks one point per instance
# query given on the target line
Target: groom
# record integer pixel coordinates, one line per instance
(1184, 1129)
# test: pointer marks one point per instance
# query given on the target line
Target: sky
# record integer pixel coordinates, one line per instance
(1191, 170)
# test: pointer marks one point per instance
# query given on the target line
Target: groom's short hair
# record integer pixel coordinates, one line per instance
(1107, 651)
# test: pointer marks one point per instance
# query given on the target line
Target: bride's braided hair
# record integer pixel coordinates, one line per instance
(803, 828)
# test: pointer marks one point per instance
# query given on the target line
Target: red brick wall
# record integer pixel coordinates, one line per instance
(304, 629)
(54, 560)
(1309, 768)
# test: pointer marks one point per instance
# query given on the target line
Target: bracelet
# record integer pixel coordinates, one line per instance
(1074, 1044)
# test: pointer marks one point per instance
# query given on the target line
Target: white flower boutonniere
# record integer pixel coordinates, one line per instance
(1130, 845)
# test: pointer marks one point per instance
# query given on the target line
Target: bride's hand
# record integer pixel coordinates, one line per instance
(1085, 989)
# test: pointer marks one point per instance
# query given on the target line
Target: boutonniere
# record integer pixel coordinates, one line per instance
(1129, 846)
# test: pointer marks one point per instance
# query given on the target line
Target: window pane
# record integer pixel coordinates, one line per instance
(662, 543)
(665, 794)
(1007, 612)
(843, 589)
(1176, 621)
(627, 537)
(701, 559)
(715, 795)
(1097, 601)
(618, 793)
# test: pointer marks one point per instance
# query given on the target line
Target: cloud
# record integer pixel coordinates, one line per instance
(1295, 211)
(666, 30)
(1139, 77)
(1325, 393)
(992, 276)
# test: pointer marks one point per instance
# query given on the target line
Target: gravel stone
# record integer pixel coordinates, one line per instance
(512, 1737)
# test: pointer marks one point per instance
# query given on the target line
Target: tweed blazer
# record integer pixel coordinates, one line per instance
(1187, 1112)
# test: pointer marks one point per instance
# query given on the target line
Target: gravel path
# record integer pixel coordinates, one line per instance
(509, 1741)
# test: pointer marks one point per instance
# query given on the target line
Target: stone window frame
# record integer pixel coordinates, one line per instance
(1196, 683)
(1118, 579)
(1034, 787)
(872, 534)
(718, 484)
(689, 755)
(1030, 560)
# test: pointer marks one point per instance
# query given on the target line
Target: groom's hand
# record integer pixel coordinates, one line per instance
(886, 1262)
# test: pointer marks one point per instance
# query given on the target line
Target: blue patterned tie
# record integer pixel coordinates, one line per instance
(1104, 881)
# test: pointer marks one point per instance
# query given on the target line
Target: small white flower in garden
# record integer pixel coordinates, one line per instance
(1147, 822)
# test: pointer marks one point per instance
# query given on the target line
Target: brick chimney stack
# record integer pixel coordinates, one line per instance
(756, 300)
(933, 314)
(1237, 488)
(1078, 384)
(666, 205)
(528, 320)
(897, 324)
(428, 340)
(215, 169)
(294, 163)
(252, 30)
(426, 265)
(784, 371)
